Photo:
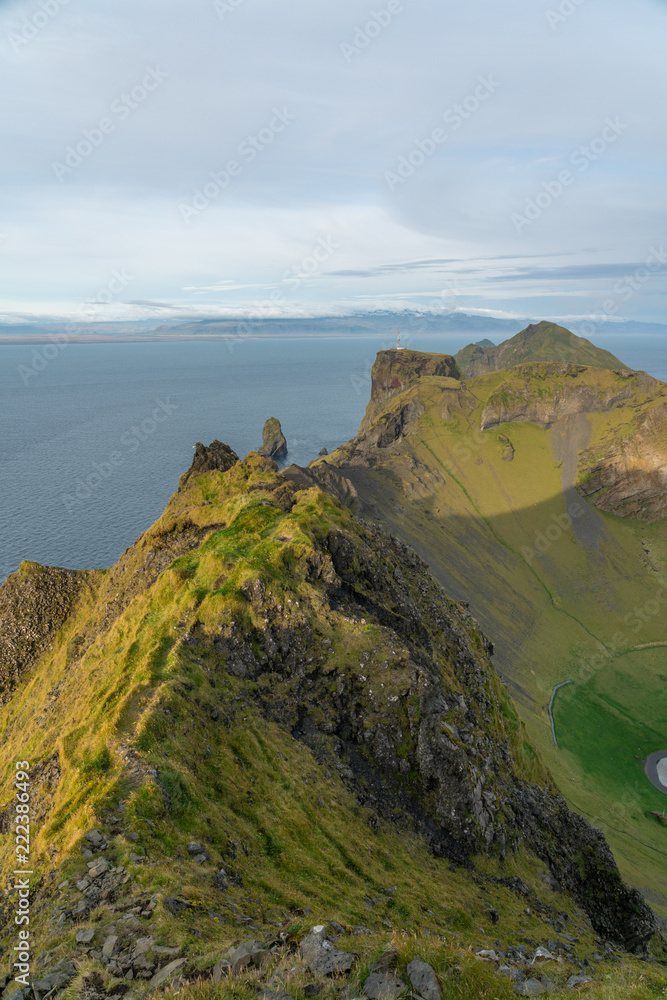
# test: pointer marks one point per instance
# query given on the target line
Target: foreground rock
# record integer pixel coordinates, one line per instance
(423, 978)
(274, 443)
(383, 986)
(34, 602)
(322, 957)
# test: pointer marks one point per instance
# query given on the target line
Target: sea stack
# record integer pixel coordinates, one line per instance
(274, 444)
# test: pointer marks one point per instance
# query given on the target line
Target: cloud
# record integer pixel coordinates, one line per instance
(79, 85)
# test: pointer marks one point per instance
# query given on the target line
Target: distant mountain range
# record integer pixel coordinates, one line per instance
(380, 322)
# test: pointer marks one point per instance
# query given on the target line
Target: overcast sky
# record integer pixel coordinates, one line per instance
(247, 156)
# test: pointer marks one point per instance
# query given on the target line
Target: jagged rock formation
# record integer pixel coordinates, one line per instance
(217, 456)
(538, 342)
(274, 443)
(395, 370)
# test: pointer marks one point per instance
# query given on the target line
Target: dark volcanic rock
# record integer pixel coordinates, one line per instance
(216, 457)
(274, 444)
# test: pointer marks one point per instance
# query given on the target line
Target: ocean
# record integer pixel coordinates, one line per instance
(93, 437)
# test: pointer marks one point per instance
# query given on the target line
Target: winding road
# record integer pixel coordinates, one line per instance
(656, 770)
(551, 705)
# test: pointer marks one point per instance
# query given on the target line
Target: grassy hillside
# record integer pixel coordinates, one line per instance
(265, 679)
(568, 592)
(538, 342)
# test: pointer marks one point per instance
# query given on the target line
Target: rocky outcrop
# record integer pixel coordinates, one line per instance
(274, 443)
(216, 457)
(332, 643)
(34, 604)
(538, 342)
(545, 393)
(416, 742)
(630, 480)
(323, 477)
(395, 370)
(389, 429)
(476, 359)
(396, 422)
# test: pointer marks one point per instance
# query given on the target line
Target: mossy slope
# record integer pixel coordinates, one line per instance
(267, 676)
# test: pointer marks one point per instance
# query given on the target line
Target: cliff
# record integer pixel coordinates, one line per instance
(395, 370)
(269, 707)
(537, 495)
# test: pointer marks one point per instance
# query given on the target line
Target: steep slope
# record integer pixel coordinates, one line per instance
(487, 482)
(265, 683)
(538, 342)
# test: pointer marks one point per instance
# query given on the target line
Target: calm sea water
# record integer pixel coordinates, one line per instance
(92, 446)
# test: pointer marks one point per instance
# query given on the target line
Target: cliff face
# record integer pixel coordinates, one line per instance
(546, 393)
(629, 478)
(395, 370)
(538, 342)
(280, 637)
(34, 604)
(624, 472)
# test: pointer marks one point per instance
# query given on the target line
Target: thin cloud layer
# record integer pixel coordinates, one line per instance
(229, 157)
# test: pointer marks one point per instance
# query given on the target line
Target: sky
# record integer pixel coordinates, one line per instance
(170, 159)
